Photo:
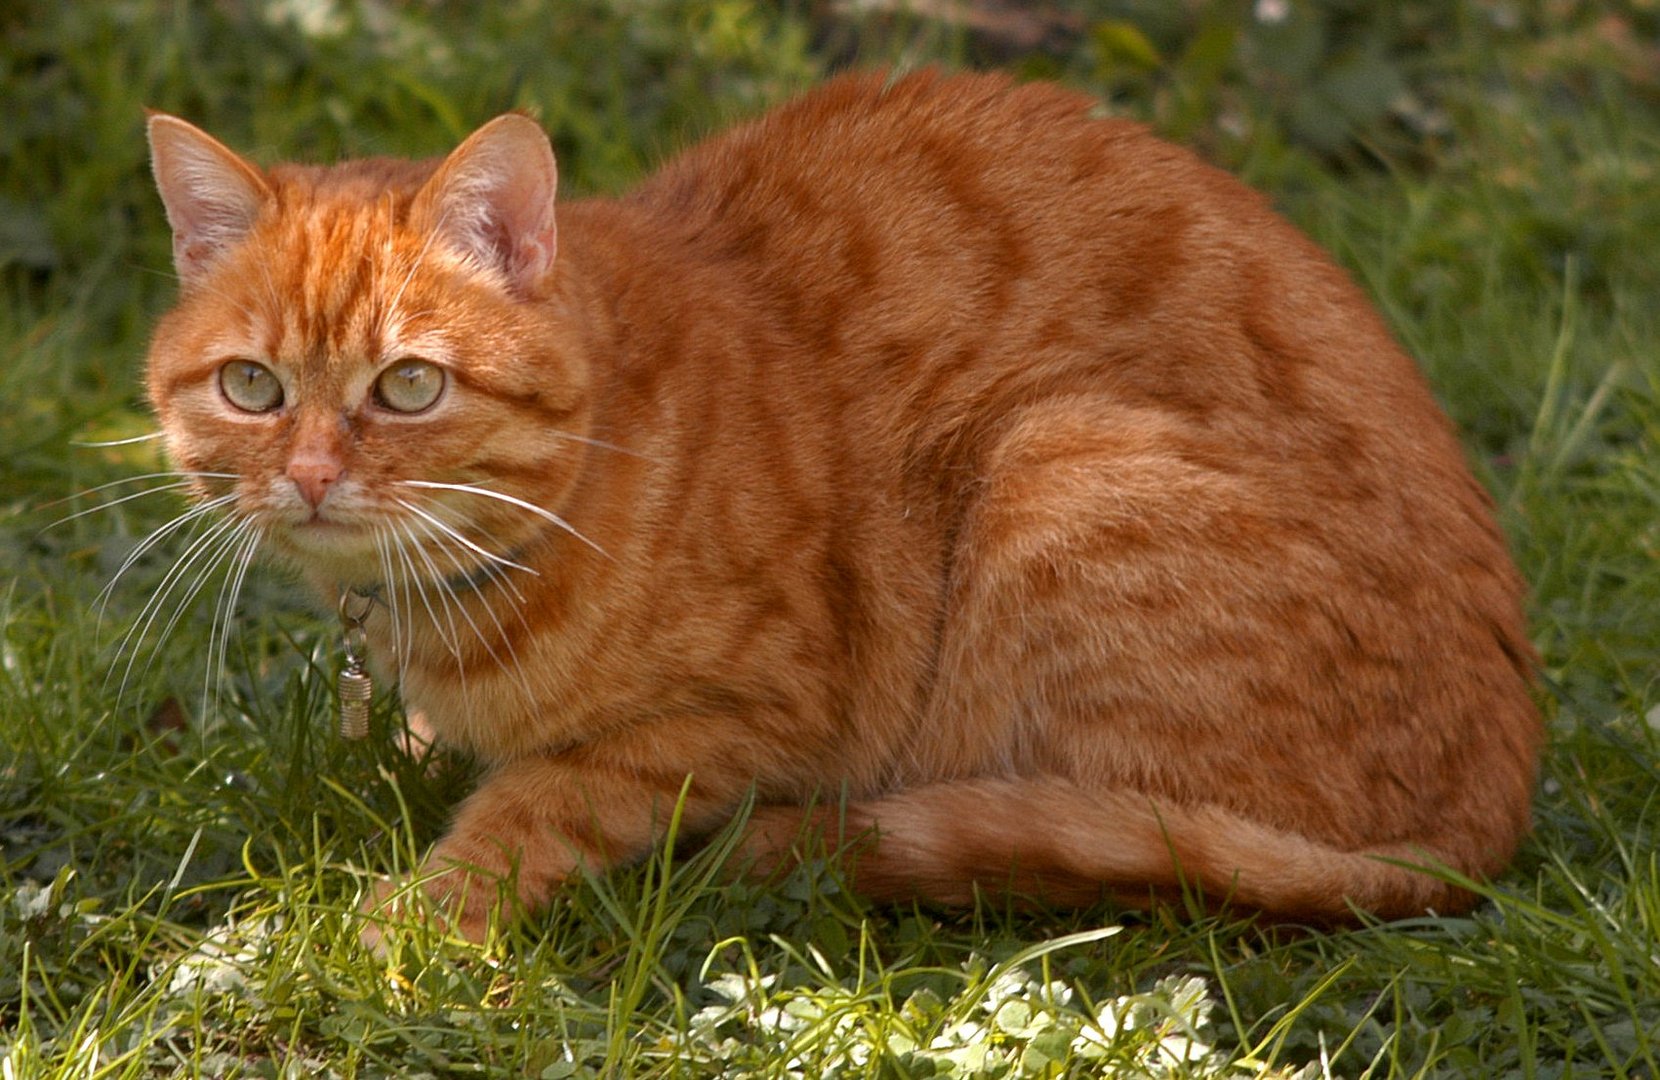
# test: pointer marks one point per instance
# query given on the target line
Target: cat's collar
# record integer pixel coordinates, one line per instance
(456, 585)
(354, 686)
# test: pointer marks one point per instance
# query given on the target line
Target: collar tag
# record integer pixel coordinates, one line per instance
(354, 689)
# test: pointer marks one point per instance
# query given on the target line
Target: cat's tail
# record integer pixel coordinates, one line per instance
(1051, 840)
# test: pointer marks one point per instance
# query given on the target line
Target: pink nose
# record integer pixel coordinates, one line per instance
(314, 475)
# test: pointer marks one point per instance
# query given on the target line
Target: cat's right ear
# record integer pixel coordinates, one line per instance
(492, 200)
(212, 196)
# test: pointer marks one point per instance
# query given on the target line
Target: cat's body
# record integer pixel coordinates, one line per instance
(1005, 470)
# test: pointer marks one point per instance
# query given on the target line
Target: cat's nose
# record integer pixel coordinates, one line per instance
(314, 475)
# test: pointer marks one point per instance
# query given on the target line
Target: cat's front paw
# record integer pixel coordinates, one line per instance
(456, 897)
(418, 740)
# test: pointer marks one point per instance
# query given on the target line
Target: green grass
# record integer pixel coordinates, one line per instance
(176, 898)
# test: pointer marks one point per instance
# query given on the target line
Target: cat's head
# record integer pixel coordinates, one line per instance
(350, 340)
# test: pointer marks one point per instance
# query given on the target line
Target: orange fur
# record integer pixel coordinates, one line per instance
(928, 440)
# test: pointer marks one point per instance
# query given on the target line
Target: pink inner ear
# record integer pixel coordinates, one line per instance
(493, 199)
(211, 195)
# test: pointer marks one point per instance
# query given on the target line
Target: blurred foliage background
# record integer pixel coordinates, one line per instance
(1272, 88)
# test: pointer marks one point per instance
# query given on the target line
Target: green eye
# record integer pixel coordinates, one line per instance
(410, 385)
(249, 386)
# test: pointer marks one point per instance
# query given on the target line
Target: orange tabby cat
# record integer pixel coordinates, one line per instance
(928, 441)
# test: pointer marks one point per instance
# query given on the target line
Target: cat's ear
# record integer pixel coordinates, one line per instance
(212, 196)
(492, 199)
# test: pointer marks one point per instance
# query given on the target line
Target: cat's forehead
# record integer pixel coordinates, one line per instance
(337, 272)
(322, 216)
(361, 180)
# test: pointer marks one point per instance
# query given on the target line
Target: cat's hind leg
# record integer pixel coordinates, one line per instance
(1172, 654)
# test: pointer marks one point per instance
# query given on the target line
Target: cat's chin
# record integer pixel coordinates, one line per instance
(338, 550)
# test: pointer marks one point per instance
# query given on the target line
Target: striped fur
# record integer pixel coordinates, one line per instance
(926, 441)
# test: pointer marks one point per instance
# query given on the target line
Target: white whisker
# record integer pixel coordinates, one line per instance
(518, 668)
(192, 515)
(496, 574)
(499, 576)
(116, 442)
(547, 515)
(602, 444)
(447, 597)
(458, 538)
(419, 583)
(174, 486)
(199, 548)
(435, 576)
(209, 554)
(170, 475)
(395, 538)
(394, 615)
(224, 613)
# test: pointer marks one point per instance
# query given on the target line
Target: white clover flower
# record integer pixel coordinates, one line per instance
(711, 1017)
(219, 963)
(1059, 993)
(960, 1034)
(781, 1019)
(1272, 12)
(318, 19)
(1174, 1012)
(738, 987)
(32, 899)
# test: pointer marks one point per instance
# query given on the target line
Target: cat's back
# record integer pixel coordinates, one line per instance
(869, 179)
(874, 145)
(968, 243)
(881, 218)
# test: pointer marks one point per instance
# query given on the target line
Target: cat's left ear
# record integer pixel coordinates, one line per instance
(492, 199)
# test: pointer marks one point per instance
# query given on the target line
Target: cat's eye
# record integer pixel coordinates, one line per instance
(410, 385)
(249, 386)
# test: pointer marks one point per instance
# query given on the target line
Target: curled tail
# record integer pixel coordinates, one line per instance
(1047, 838)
